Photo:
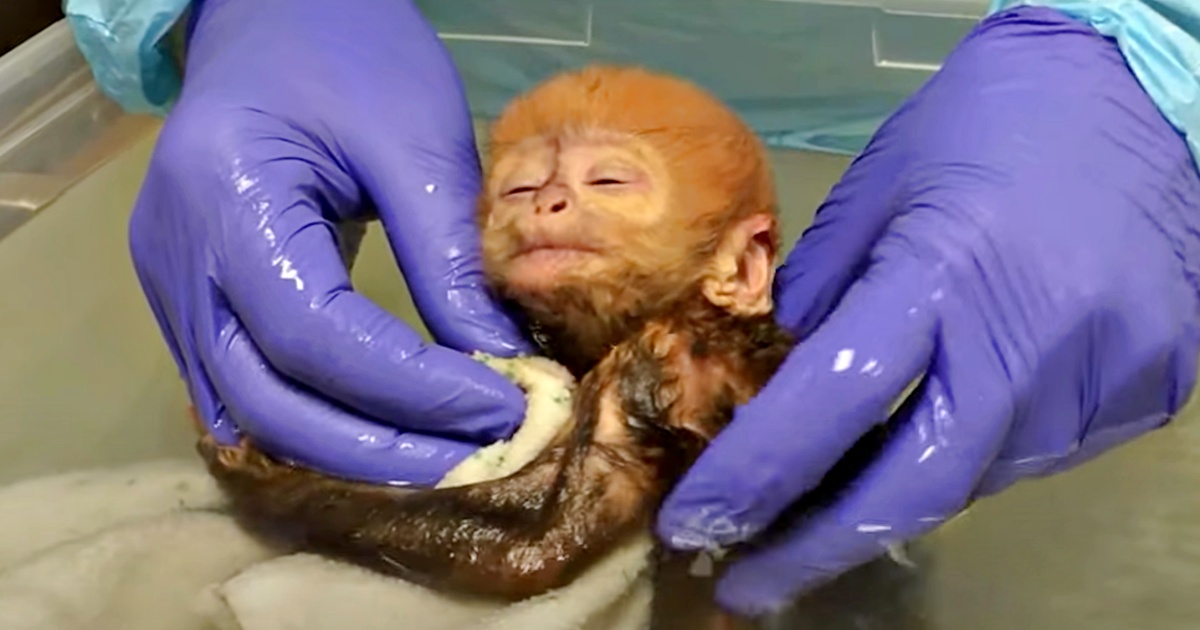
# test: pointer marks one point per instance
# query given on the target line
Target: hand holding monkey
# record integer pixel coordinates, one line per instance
(283, 144)
(1023, 237)
(631, 219)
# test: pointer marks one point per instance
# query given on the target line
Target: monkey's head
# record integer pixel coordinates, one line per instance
(614, 194)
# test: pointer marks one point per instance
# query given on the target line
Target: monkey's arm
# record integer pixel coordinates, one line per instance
(513, 537)
(638, 421)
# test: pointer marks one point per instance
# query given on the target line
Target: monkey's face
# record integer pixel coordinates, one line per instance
(569, 209)
(581, 231)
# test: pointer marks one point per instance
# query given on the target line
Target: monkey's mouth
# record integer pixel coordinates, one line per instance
(547, 264)
(546, 261)
(551, 254)
(548, 250)
(543, 266)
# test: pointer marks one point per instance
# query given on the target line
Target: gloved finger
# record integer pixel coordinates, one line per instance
(925, 475)
(422, 171)
(833, 250)
(428, 215)
(1004, 474)
(1086, 406)
(832, 389)
(204, 399)
(151, 267)
(289, 287)
(292, 424)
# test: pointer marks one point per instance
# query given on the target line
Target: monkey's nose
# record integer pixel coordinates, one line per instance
(553, 200)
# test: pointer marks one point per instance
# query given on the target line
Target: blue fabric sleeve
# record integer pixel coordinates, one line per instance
(1160, 40)
(124, 42)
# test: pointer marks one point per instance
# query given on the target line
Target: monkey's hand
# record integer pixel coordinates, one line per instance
(1022, 239)
(299, 120)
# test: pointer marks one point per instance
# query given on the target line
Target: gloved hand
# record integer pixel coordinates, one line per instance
(1025, 232)
(297, 119)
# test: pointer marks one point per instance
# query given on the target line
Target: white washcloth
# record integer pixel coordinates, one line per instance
(147, 547)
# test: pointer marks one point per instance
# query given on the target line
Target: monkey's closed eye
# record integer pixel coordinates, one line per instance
(519, 190)
(605, 181)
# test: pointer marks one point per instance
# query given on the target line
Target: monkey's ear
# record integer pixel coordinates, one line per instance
(741, 273)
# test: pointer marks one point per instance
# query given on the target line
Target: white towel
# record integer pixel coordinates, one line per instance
(147, 546)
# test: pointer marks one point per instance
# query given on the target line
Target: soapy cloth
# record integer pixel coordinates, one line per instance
(149, 545)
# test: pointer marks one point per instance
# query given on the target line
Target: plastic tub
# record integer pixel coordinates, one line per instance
(85, 380)
(80, 358)
(55, 125)
(811, 75)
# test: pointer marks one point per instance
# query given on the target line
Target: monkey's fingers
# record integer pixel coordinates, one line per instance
(197, 424)
(240, 464)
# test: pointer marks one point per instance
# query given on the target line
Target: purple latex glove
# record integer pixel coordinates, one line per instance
(1025, 232)
(298, 118)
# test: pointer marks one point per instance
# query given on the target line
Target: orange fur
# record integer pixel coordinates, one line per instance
(704, 176)
(717, 164)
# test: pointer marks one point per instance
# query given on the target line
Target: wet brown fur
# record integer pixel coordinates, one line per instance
(662, 370)
(669, 390)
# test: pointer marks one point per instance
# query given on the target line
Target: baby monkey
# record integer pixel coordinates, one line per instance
(630, 217)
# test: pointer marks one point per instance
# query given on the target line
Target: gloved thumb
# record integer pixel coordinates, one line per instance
(425, 188)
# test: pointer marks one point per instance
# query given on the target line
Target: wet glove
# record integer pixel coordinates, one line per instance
(1022, 239)
(297, 120)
